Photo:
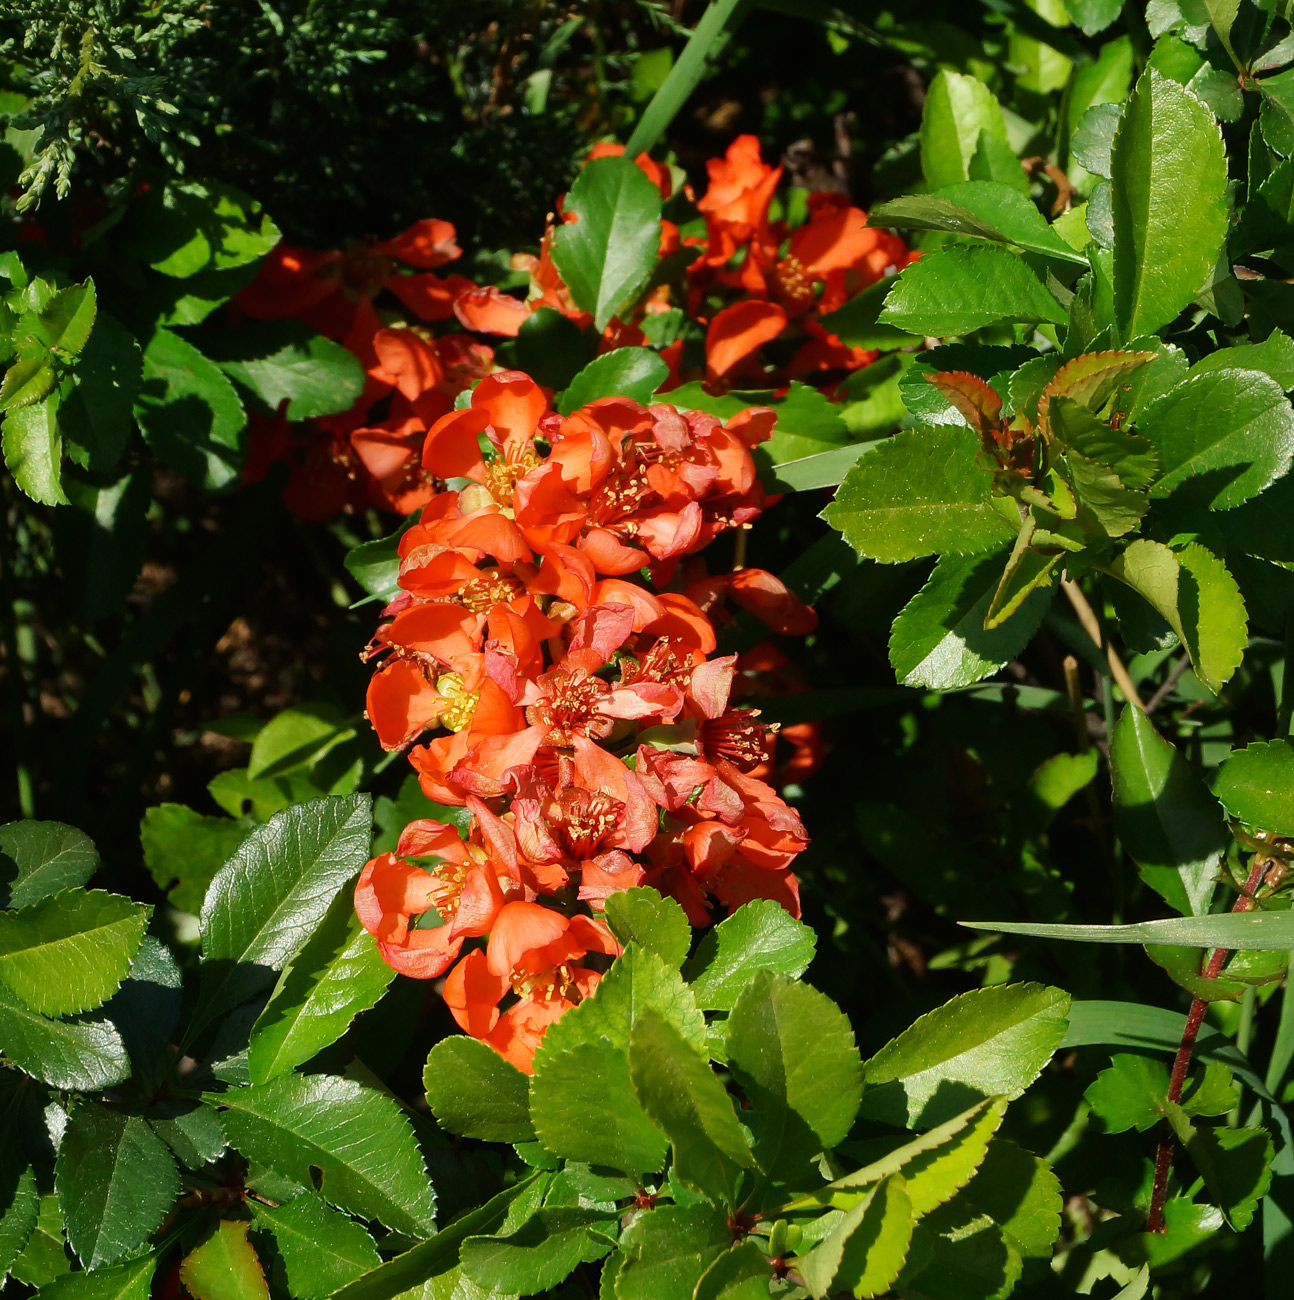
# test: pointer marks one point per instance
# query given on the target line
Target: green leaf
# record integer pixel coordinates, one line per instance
(667, 1251)
(129, 1281)
(474, 1092)
(1022, 1196)
(959, 289)
(1222, 437)
(864, 1253)
(807, 424)
(1193, 592)
(88, 1055)
(959, 1253)
(939, 641)
(191, 1129)
(1235, 1163)
(742, 1273)
(793, 1052)
(606, 255)
(33, 450)
(225, 1266)
(101, 542)
(857, 323)
(982, 209)
(679, 1091)
(1129, 1094)
(644, 917)
(146, 1008)
(1274, 356)
(45, 1257)
(115, 1181)
(189, 413)
(20, 1204)
(1257, 931)
(1165, 818)
(267, 899)
(183, 228)
(321, 1248)
(758, 936)
(921, 492)
(822, 469)
(38, 859)
(540, 1253)
(1093, 15)
(1168, 195)
(358, 1140)
(958, 111)
(625, 372)
(27, 381)
(95, 413)
(183, 850)
(296, 737)
(1277, 112)
(1256, 785)
(376, 565)
(336, 975)
(583, 1108)
(69, 952)
(67, 319)
(551, 347)
(638, 981)
(987, 1042)
(286, 361)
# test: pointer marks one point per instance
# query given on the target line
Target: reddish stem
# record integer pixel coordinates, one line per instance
(1182, 1061)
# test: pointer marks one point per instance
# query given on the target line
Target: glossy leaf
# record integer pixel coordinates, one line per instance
(322, 1249)
(70, 951)
(958, 111)
(19, 1205)
(624, 372)
(992, 1041)
(84, 1054)
(283, 361)
(225, 1266)
(41, 858)
(45, 1257)
(128, 1281)
(1130, 1094)
(644, 917)
(607, 254)
(1165, 817)
(668, 1249)
(536, 1256)
(681, 1094)
(959, 289)
(146, 1008)
(1256, 785)
(759, 936)
(33, 450)
(1235, 1163)
(793, 1052)
(474, 1092)
(338, 974)
(1168, 194)
(864, 1253)
(115, 1181)
(921, 492)
(267, 899)
(356, 1137)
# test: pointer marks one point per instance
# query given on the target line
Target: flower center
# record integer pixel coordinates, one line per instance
(736, 736)
(584, 818)
(545, 985)
(568, 707)
(457, 702)
(482, 594)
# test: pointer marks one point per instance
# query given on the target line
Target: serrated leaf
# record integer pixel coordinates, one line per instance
(939, 639)
(644, 917)
(960, 1253)
(115, 1181)
(921, 492)
(33, 450)
(42, 858)
(758, 936)
(191, 1129)
(1193, 592)
(27, 381)
(1164, 815)
(959, 289)
(146, 1008)
(793, 1052)
(864, 1253)
(19, 1204)
(69, 952)
(676, 1087)
(1022, 1196)
(45, 1257)
(65, 322)
(624, 372)
(668, 1249)
(322, 1249)
(95, 412)
(1168, 195)
(583, 1108)
(363, 1147)
(189, 413)
(183, 227)
(536, 1256)
(184, 849)
(607, 254)
(267, 899)
(988, 1042)
(295, 737)
(474, 1092)
(1235, 1163)
(129, 1281)
(225, 1266)
(958, 111)
(1256, 785)
(981, 209)
(86, 1054)
(1274, 356)
(742, 1273)
(1130, 1093)
(1222, 436)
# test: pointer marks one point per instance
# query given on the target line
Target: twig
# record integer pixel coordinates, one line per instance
(1169, 683)
(1074, 689)
(1092, 626)
(1182, 1061)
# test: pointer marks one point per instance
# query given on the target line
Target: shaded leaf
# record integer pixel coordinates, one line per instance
(474, 1092)
(41, 858)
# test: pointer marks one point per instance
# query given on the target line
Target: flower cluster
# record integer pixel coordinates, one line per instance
(575, 712)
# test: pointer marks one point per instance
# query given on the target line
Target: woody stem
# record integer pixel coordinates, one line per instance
(1092, 626)
(1182, 1061)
